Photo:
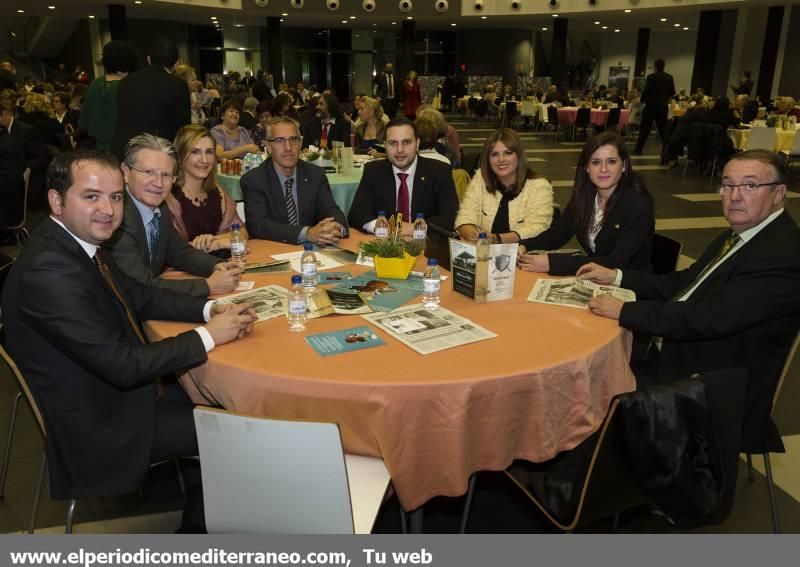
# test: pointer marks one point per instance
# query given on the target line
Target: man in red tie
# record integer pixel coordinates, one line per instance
(327, 126)
(385, 90)
(405, 183)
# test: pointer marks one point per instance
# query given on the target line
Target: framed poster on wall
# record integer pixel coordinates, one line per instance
(619, 77)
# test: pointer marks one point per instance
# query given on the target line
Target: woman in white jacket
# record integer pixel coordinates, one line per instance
(505, 199)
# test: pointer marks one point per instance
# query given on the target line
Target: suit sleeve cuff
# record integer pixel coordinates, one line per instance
(207, 310)
(303, 236)
(370, 227)
(618, 278)
(205, 336)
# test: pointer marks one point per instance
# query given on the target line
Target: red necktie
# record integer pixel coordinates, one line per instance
(323, 138)
(403, 202)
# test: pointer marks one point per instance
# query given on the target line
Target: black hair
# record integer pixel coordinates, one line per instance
(401, 121)
(659, 64)
(163, 53)
(119, 57)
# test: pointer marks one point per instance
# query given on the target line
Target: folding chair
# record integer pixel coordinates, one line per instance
(762, 139)
(581, 121)
(794, 152)
(20, 232)
(272, 476)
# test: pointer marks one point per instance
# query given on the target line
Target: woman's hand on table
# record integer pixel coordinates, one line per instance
(534, 263)
(229, 322)
(469, 232)
(251, 149)
(606, 305)
(205, 242)
(597, 273)
(224, 278)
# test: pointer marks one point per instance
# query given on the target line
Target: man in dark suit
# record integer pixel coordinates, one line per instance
(658, 90)
(737, 306)
(745, 86)
(328, 124)
(37, 156)
(73, 325)
(152, 100)
(386, 86)
(404, 182)
(146, 241)
(289, 200)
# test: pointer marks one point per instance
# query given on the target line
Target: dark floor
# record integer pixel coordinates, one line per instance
(498, 505)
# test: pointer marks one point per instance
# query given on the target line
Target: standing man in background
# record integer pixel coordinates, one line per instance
(658, 90)
(386, 90)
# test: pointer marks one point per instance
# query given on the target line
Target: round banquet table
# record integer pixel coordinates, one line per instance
(343, 187)
(541, 386)
(568, 115)
(783, 138)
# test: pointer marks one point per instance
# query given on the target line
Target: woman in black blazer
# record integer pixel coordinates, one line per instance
(610, 212)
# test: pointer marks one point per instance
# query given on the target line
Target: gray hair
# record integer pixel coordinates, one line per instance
(148, 142)
(250, 103)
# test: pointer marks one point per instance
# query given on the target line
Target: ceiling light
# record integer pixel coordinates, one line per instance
(597, 23)
(137, 1)
(555, 15)
(91, 17)
(409, 17)
(677, 25)
(213, 17)
(454, 25)
(20, 11)
(281, 19)
(685, 29)
(51, 7)
(663, 19)
(616, 31)
(627, 11)
(605, 27)
(344, 21)
(352, 17)
(238, 25)
(544, 29)
(284, 14)
(483, 17)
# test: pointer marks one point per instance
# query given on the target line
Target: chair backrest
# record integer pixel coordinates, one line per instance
(795, 149)
(460, 180)
(613, 117)
(552, 115)
(26, 176)
(761, 139)
(481, 108)
(583, 116)
(240, 210)
(511, 109)
(272, 476)
(789, 358)
(22, 384)
(665, 254)
(527, 108)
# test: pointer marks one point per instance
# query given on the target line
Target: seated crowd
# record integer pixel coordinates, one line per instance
(94, 269)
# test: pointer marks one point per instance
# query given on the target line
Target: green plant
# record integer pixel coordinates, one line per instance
(394, 246)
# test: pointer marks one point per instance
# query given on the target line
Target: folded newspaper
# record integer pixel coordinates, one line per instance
(428, 331)
(574, 292)
(268, 301)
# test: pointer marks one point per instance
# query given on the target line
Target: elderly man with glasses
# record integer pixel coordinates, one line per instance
(738, 306)
(288, 200)
(146, 241)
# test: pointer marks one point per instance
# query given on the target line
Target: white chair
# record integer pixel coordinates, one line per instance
(271, 476)
(527, 110)
(762, 139)
(794, 152)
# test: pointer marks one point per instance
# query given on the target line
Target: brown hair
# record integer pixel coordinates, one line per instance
(512, 141)
(184, 142)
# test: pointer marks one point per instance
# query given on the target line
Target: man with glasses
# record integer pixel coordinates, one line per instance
(288, 200)
(737, 306)
(146, 241)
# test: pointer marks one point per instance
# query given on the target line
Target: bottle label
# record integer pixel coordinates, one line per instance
(238, 248)
(297, 307)
(431, 285)
(381, 232)
(420, 233)
(308, 268)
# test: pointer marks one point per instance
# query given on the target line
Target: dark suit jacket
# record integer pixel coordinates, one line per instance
(745, 314)
(658, 89)
(84, 364)
(247, 120)
(265, 203)
(152, 101)
(381, 86)
(625, 241)
(433, 194)
(37, 158)
(129, 247)
(339, 131)
(12, 185)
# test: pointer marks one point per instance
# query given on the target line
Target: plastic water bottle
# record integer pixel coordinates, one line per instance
(238, 246)
(420, 228)
(296, 313)
(381, 226)
(431, 285)
(308, 268)
(483, 247)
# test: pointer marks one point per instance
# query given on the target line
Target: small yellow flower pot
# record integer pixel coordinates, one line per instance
(395, 268)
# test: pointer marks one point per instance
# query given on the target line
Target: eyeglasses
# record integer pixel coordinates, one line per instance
(293, 141)
(152, 174)
(727, 189)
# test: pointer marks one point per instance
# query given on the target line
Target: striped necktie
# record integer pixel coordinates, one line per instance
(152, 236)
(291, 207)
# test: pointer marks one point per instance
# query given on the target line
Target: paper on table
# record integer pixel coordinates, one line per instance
(245, 286)
(574, 292)
(323, 262)
(268, 301)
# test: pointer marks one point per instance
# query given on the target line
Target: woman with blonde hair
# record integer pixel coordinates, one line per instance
(201, 211)
(371, 128)
(505, 199)
(412, 97)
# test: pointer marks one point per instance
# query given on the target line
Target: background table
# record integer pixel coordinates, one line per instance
(568, 115)
(343, 187)
(783, 138)
(541, 387)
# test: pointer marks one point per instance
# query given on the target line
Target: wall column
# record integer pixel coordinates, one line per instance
(117, 22)
(275, 50)
(642, 45)
(558, 58)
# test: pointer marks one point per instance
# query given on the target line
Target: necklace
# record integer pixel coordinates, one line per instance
(197, 200)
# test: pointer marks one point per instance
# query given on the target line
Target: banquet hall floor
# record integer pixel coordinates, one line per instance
(687, 209)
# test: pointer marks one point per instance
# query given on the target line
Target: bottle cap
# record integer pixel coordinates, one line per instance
(482, 235)
(420, 215)
(235, 226)
(297, 279)
(433, 262)
(308, 246)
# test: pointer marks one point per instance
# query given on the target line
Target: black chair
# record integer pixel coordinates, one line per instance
(511, 112)
(471, 103)
(665, 254)
(612, 120)
(481, 109)
(582, 120)
(552, 120)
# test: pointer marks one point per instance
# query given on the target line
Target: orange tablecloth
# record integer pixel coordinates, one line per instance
(783, 138)
(542, 386)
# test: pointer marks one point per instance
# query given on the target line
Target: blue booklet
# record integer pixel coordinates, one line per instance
(382, 294)
(347, 340)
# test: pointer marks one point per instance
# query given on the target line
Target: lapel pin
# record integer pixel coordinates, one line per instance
(616, 226)
(422, 178)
